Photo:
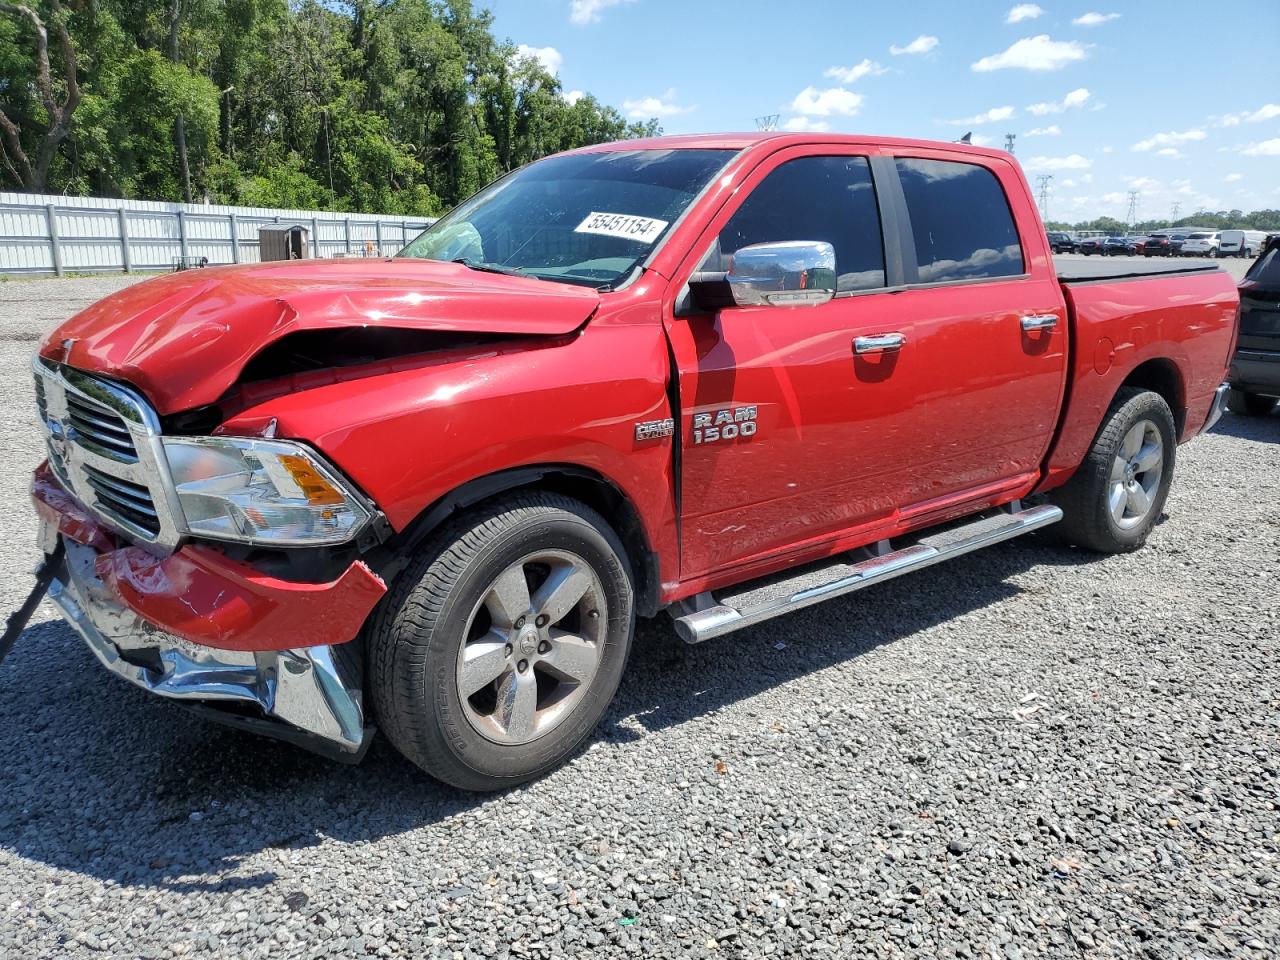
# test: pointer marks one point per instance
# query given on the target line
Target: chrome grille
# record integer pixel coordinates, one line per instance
(100, 427)
(127, 502)
(105, 447)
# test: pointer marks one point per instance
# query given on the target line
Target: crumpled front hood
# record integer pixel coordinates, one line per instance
(184, 338)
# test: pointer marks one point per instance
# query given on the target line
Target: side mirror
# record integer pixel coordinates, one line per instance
(789, 274)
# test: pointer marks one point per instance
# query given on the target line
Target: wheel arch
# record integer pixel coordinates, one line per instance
(583, 484)
(1161, 375)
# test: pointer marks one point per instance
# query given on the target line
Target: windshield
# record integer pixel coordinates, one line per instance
(584, 218)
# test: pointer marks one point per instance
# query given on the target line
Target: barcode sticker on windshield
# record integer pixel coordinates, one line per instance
(643, 229)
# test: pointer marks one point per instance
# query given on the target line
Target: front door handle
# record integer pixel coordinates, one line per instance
(1040, 321)
(880, 343)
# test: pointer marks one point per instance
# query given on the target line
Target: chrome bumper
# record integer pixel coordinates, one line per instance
(310, 696)
(1215, 409)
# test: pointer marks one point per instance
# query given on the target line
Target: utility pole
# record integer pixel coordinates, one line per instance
(1008, 142)
(1177, 206)
(1131, 217)
(767, 122)
(1042, 186)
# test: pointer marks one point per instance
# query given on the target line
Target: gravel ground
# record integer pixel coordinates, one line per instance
(1029, 752)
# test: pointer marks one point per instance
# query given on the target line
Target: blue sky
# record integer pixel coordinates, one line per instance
(1178, 100)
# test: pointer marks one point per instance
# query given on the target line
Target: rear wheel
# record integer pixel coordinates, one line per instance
(1249, 404)
(498, 652)
(1117, 494)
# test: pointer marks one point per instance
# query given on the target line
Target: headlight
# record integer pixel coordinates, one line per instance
(261, 491)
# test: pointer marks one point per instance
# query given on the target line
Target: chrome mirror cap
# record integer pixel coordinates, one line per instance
(789, 274)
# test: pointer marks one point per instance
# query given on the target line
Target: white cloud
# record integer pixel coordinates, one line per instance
(867, 68)
(1268, 111)
(1052, 130)
(1076, 98)
(921, 44)
(805, 125)
(1067, 183)
(1092, 19)
(1267, 148)
(994, 115)
(1023, 11)
(1233, 177)
(1168, 152)
(813, 102)
(978, 140)
(1142, 183)
(647, 107)
(1114, 197)
(1049, 164)
(1169, 139)
(572, 96)
(550, 58)
(588, 11)
(1037, 53)
(1087, 178)
(1108, 149)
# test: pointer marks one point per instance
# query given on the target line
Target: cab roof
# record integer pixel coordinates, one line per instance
(778, 139)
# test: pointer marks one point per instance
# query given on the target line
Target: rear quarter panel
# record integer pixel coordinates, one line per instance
(1187, 319)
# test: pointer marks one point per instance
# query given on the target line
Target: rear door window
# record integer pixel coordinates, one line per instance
(961, 221)
(830, 199)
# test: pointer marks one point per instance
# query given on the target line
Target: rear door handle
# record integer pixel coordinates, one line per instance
(880, 343)
(1040, 321)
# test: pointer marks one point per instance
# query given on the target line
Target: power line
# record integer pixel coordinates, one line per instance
(1131, 217)
(1008, 142)
(1042, 185)
(1177, 206)
(767, 122)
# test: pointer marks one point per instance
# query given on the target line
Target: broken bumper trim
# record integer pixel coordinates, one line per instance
(1216, 407)
(199, 594)
(311, 696)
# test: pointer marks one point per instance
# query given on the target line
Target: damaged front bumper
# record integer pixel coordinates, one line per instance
(311, 695)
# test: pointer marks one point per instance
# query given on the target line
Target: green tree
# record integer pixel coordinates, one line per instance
(404, 106)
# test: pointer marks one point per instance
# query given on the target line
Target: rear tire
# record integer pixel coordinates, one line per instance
(1115, 497)
(1249, 404)
(535, 590)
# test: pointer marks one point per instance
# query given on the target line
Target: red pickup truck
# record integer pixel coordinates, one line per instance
(724, 377)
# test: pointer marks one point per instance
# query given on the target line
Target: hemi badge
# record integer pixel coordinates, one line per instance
(655, 429)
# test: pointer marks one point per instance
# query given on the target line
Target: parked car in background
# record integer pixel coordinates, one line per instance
(434, 492)
(1139, 244)
(1119, 246)
(1157, 245)
(1201, 245)
(1255, 369)
(1061, 242)
(1091, 245)
(1176, 240)
(1241, 243)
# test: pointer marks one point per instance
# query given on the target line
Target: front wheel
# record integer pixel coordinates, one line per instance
(1117, 494)
(1249, 404)
(499, 650)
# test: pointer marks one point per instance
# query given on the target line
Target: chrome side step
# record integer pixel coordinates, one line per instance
(705, 617)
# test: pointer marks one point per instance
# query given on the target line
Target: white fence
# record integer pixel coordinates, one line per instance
(42, 234)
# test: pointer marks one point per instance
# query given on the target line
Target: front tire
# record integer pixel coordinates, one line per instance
(1115, 497)
(497, 652)
(1249, 404)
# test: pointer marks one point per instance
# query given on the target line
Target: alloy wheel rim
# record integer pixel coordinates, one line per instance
(1136, 470)
(532, 646)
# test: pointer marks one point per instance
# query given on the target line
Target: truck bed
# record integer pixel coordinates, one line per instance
(1094, 271)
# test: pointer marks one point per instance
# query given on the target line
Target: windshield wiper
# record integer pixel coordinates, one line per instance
(486, 267)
